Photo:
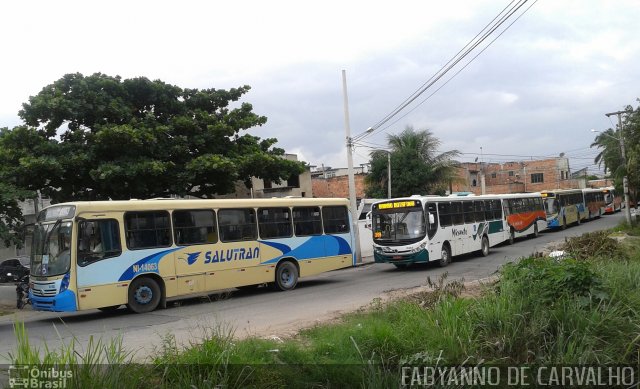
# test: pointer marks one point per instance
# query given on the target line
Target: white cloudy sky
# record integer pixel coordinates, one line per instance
(535, 92)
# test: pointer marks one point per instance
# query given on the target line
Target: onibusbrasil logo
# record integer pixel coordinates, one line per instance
(38, 377)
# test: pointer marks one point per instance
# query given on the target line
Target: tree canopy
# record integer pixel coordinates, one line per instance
(610, 156)
(101, 137)
(416, 166)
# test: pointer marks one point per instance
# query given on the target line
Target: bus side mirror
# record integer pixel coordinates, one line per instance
(432, 219)
(367, 223)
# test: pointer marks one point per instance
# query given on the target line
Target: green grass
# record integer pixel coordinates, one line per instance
(541, 311)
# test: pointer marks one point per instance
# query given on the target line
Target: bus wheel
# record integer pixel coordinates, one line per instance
(109, 309)
(512, 236)
(144, 295)
(445, 256)
(484, 246)
(286, 276)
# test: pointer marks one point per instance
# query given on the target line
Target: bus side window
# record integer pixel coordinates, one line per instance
(335, 220)
(97, 240)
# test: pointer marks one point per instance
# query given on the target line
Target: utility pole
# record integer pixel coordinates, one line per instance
(389, 171)
(625, 179)
(352, 180)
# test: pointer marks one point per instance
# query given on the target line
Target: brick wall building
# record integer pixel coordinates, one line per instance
(516, 177)
(337, 186)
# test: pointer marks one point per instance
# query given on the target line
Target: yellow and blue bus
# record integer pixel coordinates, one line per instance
(140, 253)
(564, 207)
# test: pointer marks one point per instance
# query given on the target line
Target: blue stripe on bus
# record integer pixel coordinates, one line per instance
(312, 248)
(150, 260)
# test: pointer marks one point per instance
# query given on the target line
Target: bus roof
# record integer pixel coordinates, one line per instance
(162, 204)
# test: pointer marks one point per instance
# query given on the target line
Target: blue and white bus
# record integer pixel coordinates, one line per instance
(564, 207)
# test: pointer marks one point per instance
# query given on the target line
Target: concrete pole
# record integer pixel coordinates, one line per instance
(389, 171)
(625, 179)
(352, 180)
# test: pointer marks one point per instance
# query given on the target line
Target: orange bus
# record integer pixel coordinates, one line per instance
(524, 213)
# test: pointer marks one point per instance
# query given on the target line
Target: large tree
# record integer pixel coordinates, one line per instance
(417, 166)
(102, 137)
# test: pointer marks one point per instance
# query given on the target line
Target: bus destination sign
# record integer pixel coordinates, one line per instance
(397, 204)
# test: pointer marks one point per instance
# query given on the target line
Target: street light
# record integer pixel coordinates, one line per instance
(625, 180)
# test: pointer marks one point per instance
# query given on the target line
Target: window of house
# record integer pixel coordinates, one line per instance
(537, 178)
(294, 181)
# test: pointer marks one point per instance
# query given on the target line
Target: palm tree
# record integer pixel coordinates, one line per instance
(417, 167)
(610, 155)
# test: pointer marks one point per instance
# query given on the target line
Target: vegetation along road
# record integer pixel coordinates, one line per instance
(262, 312)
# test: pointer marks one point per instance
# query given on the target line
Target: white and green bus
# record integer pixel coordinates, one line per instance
(436, 228)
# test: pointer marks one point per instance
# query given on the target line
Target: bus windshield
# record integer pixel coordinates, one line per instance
(51, 251)
(551, 205)
(406, 226)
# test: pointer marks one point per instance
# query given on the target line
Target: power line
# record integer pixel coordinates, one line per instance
(453, 62)
(420, 89)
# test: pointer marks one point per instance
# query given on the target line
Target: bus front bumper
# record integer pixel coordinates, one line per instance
(404, 259)
(62, 302)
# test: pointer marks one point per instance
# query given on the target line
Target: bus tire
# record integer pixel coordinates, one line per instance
(144, 295)
(445, 255)
(484, 246)
(286, 276)
(512, 236)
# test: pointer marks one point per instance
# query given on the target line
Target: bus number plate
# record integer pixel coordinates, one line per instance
(396, 257)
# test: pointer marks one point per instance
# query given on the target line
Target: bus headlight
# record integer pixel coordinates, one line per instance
(65, 283)
(419, 248)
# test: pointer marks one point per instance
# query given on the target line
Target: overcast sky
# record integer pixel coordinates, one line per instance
(536, 91)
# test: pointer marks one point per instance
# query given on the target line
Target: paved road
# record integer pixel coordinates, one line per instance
(267, 313)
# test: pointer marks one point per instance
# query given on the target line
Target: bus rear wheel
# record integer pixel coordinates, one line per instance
(286, 276)
(144, 295)
(512, 236)
(484, 246)
(445, 256)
